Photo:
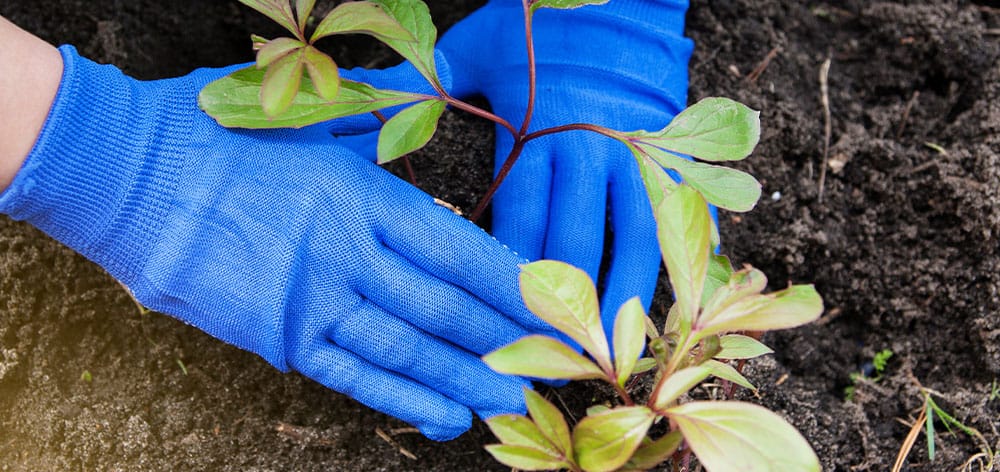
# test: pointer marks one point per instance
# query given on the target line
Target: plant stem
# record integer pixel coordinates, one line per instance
(501, 175)
(515, 152)
(480, 113)
(531, 67)
(675, 360)
(576, 127)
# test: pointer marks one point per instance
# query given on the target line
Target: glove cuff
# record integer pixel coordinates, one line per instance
(99, 148)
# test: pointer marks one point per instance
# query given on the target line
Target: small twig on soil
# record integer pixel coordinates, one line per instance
(757, 71)
(911, 439)
(392, 442)
(906, 114)
(566, 408)
(824, 71)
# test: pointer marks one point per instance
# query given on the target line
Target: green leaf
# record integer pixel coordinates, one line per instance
(723, 187)
(644, 365)
(361, 17)
(727, 372)
(550, 422)
(234, 101)
(281, 83)
(409, 130)
(678, 384)
(652, 453)
(714, 129)
(794, 306)
(658, 184)
(606, 441)
(929, 431)
(742, 436)
(629, 337)
(542, 357)
(718, 274)
(564, 297)
(277, 10)
(564, 4)
(415, 18)
(276, 49)
(518, 430)
(683, 227)
(738, 346)
(304, 8)
(525, 458)
(741, 284)
(323, 72)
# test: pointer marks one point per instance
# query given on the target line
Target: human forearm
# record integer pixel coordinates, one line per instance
(30, 70)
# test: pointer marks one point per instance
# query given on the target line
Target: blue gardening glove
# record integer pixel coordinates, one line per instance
(279, 242)
(621, 65)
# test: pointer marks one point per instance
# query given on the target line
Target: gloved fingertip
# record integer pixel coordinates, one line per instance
(451, 426)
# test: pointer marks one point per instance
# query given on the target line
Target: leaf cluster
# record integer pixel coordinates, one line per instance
(294, 84)
(702, 333)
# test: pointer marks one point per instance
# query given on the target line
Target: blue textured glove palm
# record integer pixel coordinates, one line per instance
(622, 65)
(280, 242)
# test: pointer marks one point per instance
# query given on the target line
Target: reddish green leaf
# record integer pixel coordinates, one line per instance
(234, 101)
(564, 297)
(738, 346)
(542, 357)
(794, 306)
(277, 10)
(741, 284)
(714, 129)
(658, 184)
(550, 422)
(652, 453)
(304, 8)
(723, 187)
(719, 272)
(741, 436)
(518, 430)
(644, 365)
(276, 49)
(409, 130)
(361, 17)
(683, 230)
(727, 372)
(629, 337)
(323, 72)
(281, 83)
(678, 384)
(606, 441)
(525, 458)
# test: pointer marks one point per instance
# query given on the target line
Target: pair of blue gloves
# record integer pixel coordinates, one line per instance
(288, 244)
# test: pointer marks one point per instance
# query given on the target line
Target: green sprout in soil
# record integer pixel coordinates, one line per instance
(994, 390)
(293, 84)
(930, 412)
(86, 376)
(878, 365)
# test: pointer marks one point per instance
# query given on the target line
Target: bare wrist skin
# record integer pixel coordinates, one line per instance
(30, 71)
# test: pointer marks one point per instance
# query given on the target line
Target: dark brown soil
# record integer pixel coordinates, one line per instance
(903, 245)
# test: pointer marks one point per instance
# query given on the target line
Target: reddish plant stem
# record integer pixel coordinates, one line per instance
(501, 175)
(480, 113)
(531, 68)
(515, 152)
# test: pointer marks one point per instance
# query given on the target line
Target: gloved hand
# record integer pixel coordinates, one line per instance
(621, 65)
(279, 242)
